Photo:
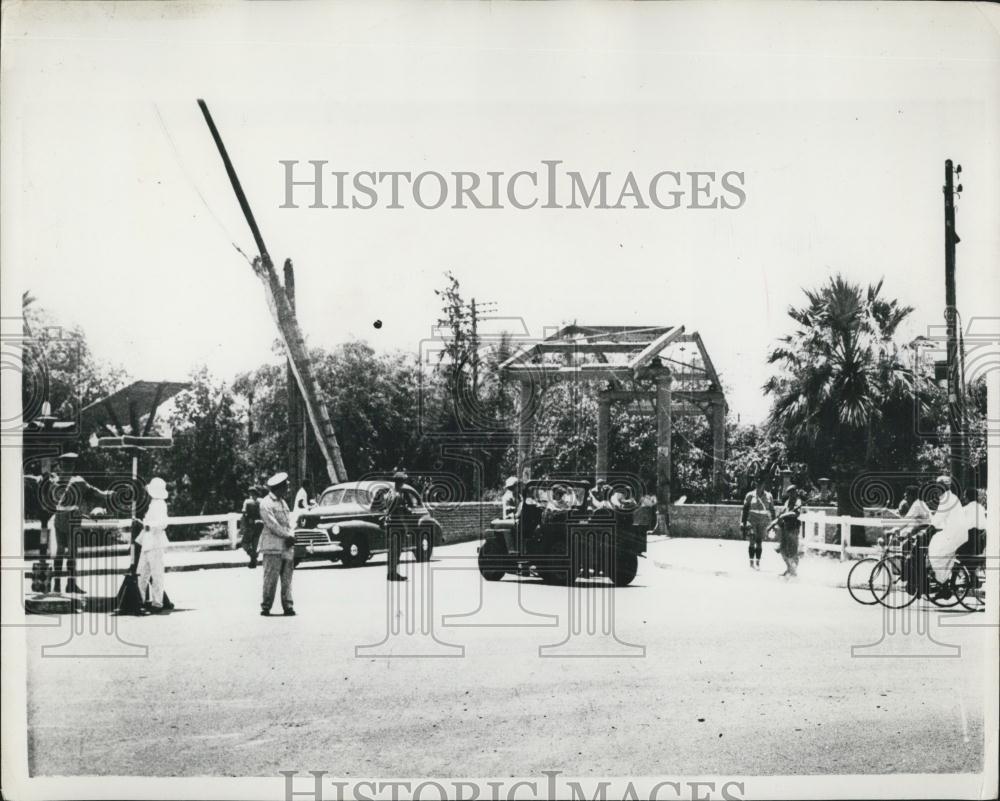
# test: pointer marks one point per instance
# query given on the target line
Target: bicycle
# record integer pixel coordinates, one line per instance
(859, 579)
(895, 590)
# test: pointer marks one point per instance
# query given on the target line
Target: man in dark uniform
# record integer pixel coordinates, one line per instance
(397, 514)
(252, 524)
(69, 491)
(758, 512)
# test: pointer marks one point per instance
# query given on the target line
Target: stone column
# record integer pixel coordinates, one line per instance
(524, 429)
(718, 422)
(663, 427)
(603, 434)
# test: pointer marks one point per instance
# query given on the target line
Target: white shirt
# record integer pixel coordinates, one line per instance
(508, 505)
(154, 533)
(918, 511)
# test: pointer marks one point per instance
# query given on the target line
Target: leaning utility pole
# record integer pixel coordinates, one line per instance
(298, 437)
(956, 393)
(288, 326)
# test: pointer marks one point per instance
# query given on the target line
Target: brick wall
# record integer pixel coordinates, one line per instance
(718, 520)
(463, 522)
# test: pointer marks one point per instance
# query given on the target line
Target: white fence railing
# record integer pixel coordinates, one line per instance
(814, 525)
(231, 519)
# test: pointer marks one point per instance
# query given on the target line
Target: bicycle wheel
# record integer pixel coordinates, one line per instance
(888, 585)
(859, 581)
(960, 585)
(975, 598)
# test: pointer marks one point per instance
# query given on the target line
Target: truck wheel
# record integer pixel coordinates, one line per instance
(355, 552)
(424, 546)
(490, 565)
(626, 566)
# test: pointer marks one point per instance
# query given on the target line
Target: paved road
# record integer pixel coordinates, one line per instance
(728, 674)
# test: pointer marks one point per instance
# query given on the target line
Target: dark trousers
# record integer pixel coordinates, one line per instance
(756, 526)
(66, 528)
(251, 539)
(395, 535)
(915, 563)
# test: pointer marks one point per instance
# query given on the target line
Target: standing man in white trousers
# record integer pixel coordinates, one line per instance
(277, 545)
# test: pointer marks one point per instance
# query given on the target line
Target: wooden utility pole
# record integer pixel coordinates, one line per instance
(297, 431)
(288, 326)
(475, 350)
(956, 410)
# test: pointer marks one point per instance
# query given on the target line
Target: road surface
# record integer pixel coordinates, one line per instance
(737, 673)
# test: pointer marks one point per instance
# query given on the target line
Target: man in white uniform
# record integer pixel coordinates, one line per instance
(511, 498)
(951, 532)
(277, 544)
(153, 540)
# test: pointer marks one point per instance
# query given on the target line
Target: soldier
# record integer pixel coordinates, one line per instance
(69, 492)
(758, 512)
(599, 495)
(277, 544)
(397, 513)
(511, 498)
(251, 523)
(788, 520)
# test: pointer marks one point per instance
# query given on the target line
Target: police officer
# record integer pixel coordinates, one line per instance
(397, 514)
(277, 544)
(69, 492)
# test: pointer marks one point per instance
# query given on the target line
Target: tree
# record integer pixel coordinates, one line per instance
(206, 464)
(845, 399)
(477, 415)
(59, 366)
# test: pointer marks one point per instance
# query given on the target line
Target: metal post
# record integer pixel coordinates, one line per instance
(475, 351)
(718, 448)
(603, 435)
(663, 427)
(524, 432)
(135, 501)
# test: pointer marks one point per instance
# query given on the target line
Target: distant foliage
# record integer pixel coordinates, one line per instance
(849, 398)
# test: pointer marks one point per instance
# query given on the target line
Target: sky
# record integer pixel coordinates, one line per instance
(118, 216)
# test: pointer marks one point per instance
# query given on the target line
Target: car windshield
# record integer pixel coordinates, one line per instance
(332, 497)
(359, 496)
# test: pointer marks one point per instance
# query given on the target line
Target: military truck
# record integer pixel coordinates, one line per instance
(556, 537)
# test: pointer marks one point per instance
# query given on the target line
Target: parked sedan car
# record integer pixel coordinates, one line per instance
(347, 525)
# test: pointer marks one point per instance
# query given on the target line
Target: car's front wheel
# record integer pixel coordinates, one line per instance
(355, 551)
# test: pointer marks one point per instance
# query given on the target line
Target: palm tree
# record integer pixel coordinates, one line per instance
(844, 381)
